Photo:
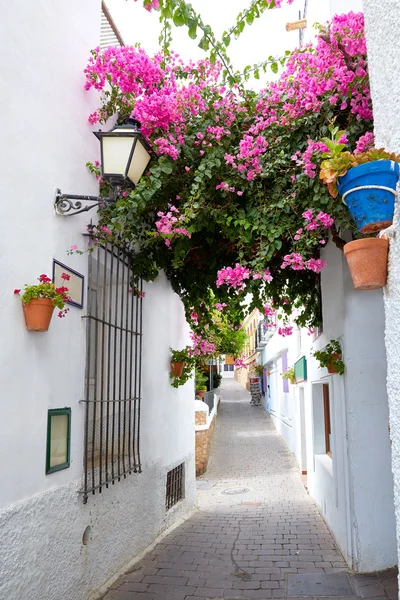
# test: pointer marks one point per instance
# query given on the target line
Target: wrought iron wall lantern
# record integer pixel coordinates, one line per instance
(125, 155)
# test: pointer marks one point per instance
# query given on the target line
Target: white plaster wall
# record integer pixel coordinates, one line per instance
(383, 43)
(46, 142)
(320, 11)
(344, 6)
(354, 489)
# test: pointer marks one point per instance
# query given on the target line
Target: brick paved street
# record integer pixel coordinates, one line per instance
(245, 545)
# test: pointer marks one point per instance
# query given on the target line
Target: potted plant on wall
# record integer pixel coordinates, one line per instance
(178, 359)
(368, 259)
(367, 183)
(182, 364)
(289, 374)
(331, 357)
(200, 383)
(39, 301)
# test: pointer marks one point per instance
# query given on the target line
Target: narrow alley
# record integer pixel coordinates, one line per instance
(257, 533)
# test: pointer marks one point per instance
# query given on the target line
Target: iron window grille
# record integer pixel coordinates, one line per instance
(113, 369)
(175, 486)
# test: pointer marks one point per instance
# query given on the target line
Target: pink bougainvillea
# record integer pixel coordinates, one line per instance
(200, 345)
(285, 331)
(233, 277)
(167, 225)
(240, 362)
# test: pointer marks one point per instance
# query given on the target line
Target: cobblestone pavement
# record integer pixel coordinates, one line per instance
(255, 530)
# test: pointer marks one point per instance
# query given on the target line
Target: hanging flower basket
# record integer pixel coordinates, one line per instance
(369, 192)
(177, 368)
(367, 260)
(38, 313)
(39, 301)
(332, 364)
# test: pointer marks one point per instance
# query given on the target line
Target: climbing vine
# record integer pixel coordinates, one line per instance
(231, 204)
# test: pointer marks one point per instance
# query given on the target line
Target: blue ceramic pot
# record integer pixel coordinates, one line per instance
(369, 193)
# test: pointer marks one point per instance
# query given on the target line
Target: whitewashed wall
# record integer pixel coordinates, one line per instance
(383, 43)
(320, 11)
(354, 489)
(46, 141)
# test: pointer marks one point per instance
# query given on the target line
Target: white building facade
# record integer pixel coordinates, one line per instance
(54, 545)
(337, 426)
(383, 45)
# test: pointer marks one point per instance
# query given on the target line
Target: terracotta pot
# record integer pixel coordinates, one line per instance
(200, 393)
(367, 260)
(38, 313)
(177, 368)
(331, 366)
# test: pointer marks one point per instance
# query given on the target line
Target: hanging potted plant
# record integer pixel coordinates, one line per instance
(39, 301)
(289, 374)
(366, 181)
(367, 259)
(182, 364)
(178, 359)
(331, 358)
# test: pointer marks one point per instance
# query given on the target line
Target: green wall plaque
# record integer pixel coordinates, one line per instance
(58, 439)
(300, 369)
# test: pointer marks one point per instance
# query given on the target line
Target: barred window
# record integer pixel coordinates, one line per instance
(175, 486)
(113, 370)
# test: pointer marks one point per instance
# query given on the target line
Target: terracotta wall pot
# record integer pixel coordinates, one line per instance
(331, 365)
(200, 393)
(38, 313)
(367, 260)
(177, 368)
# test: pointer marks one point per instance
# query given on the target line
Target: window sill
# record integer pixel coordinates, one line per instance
(325, 462)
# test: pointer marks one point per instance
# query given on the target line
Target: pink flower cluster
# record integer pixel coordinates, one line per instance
(278, 3)
(167, 225)
(220, 306)
(151, 4)
(334, 71)
(364, 143)
(322, 219)
(226, 188)
(239, 362)
(305, 160)
(164, 98)
(200, 345)
(269, 311)
(285, 331)
(296, 262)
(233, 277)
(265, 275)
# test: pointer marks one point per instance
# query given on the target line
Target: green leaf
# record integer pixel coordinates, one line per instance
(274, 67)
(178, 18)
(204, 43)
(192, 24)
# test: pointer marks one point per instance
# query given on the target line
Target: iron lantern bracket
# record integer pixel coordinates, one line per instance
(68, 205)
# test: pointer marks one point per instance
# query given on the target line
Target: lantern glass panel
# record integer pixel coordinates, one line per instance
(139, 162)
(116, 152)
